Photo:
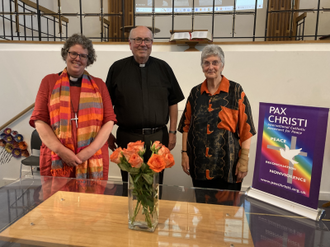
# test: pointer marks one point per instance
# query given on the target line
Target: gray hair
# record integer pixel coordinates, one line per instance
(133, 29)
(86, 43)
(213, 50)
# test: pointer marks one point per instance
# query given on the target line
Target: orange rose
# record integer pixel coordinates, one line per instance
(116, 155)
(135, 160)
(137, 146)
(169, 160)
(156, 145)
(163, 150)
(128, 152)
(157, 163)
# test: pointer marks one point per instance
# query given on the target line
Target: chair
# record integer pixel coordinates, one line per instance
(33, 159)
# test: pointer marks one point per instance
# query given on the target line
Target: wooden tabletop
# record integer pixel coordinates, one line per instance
(81, 219)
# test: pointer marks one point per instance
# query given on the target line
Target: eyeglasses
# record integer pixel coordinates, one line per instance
(74, 55)
(214, 63)
(139, 41)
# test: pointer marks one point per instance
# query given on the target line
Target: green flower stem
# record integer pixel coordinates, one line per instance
(147, 215)
(136, 210)
(144, 196)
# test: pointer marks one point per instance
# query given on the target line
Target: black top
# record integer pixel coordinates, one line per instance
(142, 95)
(76, 83)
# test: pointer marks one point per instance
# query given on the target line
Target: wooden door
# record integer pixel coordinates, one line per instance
(280, 25)
(116, 22)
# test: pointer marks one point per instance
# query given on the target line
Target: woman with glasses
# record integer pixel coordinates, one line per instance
(217, 127)
(74, 117)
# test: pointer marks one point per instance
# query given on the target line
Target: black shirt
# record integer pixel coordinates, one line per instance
(142, 95)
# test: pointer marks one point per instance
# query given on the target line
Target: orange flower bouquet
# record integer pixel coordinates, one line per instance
(143, 181)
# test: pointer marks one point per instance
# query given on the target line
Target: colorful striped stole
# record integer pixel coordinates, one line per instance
(90, 119)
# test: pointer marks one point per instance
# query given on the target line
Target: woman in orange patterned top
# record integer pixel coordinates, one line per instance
(74, 117)
(217, 127)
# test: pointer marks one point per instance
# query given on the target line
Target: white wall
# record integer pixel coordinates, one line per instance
(287, 74)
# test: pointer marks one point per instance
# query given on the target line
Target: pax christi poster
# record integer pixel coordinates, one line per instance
(290, 150)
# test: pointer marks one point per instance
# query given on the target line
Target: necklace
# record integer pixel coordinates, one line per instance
(74, 80)
(75, 114)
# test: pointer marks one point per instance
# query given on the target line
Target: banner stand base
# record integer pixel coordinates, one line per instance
(314, 214)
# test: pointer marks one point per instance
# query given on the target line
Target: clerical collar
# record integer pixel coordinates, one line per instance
(142, 65)
(73, 79)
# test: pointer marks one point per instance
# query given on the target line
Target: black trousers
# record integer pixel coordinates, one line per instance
(124, 137)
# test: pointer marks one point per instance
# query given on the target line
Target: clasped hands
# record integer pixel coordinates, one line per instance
(72, 159)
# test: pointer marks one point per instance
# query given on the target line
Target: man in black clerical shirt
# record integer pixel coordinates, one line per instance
(145, 93)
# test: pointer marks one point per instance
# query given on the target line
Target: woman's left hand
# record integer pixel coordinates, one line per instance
(240, 175)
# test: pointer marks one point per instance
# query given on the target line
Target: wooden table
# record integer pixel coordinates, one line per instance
(71, 219)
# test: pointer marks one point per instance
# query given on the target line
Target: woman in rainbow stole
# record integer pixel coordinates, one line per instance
(73, 115)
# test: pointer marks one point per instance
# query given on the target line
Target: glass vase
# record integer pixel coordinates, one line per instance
(143, 207)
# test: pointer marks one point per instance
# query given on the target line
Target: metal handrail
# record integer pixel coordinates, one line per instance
(103, 14)
(16, 117)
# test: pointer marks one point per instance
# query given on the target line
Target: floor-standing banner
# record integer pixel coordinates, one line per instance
(290, 150)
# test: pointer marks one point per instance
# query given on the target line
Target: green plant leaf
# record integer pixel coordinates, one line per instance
(144, 167)
(130, 178)
(137, 177)
(133, 170)
(148, 177)
(123, 167)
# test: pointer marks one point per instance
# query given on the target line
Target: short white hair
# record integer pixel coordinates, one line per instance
(213, 50)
